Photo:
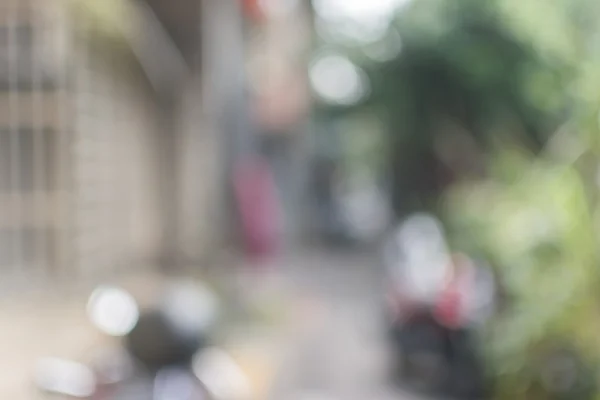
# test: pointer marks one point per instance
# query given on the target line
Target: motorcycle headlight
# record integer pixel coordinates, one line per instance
(113, 310)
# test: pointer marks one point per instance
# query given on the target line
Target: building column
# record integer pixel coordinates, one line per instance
(167, 144)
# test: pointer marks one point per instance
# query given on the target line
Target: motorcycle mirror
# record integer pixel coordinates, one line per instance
(191, 306)
(417, 256)
(421, 232)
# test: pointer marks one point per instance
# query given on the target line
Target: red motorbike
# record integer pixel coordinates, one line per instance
(435, 303)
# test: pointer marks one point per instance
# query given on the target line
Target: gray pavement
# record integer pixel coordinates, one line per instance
(337, 350)
(331, 347)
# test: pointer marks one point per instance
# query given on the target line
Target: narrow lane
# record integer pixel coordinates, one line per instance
(338, 351)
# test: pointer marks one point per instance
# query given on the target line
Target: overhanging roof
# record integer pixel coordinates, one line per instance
(181, 20)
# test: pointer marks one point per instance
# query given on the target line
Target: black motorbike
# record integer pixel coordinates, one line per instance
(163, 352)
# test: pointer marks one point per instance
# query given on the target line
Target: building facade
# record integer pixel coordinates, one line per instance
(110, 145)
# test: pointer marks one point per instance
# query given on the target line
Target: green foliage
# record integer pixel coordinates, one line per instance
(521, 79)
(461, 61)
(107, 18)
(538, 233)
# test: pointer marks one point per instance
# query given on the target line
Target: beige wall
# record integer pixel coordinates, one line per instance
(107, 210)
(114, 190)
(32, 125)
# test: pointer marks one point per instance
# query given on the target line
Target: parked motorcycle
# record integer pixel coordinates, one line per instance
(435, 303)
(164, 352)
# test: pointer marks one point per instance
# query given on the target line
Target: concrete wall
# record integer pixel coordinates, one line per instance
(226, 99)
(114, 158)
(140, 176)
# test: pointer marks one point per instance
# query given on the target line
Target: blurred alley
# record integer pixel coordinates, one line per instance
(299, 199)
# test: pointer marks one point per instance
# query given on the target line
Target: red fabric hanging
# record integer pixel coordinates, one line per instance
(255, 190)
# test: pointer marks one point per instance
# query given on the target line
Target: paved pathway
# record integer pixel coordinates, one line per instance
(337, 351)
(323, 340)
